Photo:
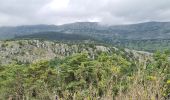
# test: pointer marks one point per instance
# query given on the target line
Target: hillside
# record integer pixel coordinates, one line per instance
(84, 50)
(56, 36)
(115, 35)
(44, 70)
(148, 30)
(28, 51)
(11, 32)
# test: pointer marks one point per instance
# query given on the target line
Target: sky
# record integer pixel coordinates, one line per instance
(111, 12)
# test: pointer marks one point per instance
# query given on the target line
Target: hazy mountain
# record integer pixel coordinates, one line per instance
(148, 30)
(120, 35)
(11, 32)
(58, 36)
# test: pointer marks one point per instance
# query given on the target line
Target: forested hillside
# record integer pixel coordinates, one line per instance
(45, 70)
(149, 45)
(145, 34)
(56, 36)
(84, 49)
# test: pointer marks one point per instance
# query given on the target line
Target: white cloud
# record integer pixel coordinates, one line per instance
(57, 5)
(18, 12)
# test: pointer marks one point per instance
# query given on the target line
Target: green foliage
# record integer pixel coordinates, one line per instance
(81, 77)
(150, 45)
(12, 81)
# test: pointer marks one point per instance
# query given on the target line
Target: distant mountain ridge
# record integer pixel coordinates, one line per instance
(157, 34)
(56, 36)
(11, 32)
(147, 30)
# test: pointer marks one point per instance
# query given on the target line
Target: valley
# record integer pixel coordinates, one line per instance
(85, 61)
(139, 36)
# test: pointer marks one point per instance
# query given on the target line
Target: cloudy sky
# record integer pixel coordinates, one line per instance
(27, 12)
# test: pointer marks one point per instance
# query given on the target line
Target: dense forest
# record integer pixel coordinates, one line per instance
(105, 74)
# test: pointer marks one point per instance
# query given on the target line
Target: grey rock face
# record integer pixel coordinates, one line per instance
(28, 51)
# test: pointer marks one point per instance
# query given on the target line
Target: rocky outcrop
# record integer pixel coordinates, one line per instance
(27, 51)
